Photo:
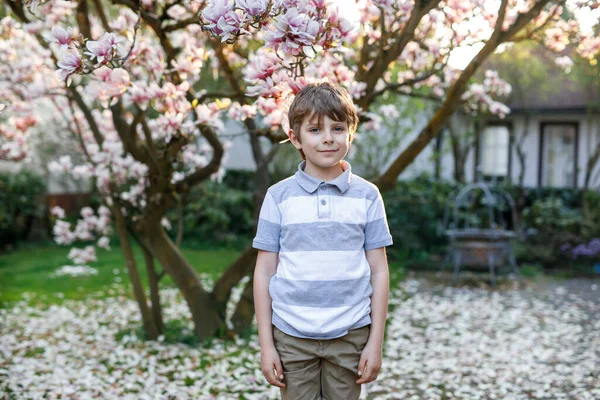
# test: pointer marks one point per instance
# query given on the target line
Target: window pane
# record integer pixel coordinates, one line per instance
(558, 167)
(495, 143)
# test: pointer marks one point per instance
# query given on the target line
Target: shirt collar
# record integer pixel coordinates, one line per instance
(310, 183)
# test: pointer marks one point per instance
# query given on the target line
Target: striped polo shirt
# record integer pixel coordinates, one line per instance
(321, 230)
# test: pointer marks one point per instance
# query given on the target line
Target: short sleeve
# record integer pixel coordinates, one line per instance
(269, 226)
(377, 232)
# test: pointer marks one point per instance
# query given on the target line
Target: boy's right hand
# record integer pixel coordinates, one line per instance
(271, 366)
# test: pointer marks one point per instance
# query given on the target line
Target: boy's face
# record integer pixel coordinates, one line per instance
(324, 145)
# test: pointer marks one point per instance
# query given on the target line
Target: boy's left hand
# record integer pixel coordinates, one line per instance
(370, 363)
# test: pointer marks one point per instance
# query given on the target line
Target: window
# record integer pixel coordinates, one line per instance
(495, 152)
(558, 155)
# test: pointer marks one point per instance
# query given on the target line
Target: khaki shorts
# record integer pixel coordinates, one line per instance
(321, 369)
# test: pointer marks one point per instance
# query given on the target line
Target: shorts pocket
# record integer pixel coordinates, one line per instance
(278, 336)
(359, 337)
(297, 367)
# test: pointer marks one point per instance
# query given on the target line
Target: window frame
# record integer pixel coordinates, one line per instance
(478, 150)
(542, 125)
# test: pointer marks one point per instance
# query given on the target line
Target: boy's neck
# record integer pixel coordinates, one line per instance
(325, 174)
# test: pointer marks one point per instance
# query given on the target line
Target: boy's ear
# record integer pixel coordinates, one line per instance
(294, 139)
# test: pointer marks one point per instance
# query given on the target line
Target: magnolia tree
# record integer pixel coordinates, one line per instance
(144, 88)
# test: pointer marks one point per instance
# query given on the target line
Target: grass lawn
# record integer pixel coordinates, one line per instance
(29, 270)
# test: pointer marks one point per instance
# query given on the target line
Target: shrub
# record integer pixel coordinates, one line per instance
(219, 213)
(21, 200)
(415, 211)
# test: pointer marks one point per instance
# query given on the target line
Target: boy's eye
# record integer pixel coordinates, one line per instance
(339, 128)
(313, 129)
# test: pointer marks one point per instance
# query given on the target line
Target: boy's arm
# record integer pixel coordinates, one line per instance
(266, 267)
(380, 281)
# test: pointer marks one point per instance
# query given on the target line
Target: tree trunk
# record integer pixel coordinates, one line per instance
(459, 173)
(244, 312)
(244, 265)
(208, 321)
(591, 164)
(134, 276)
(153, 279)
(439, 149)
(241, 267)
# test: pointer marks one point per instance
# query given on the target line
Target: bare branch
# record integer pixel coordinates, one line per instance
(227, 70)
(181, 24)
(179, 238)
(18, 8)
(525, 18)
(127, 132)
(83, 20)
(102, 14)
(215, 95)
(208, 170)
(530, 34)
(88, 114)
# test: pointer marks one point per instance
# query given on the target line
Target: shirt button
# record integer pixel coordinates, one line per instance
(323, 202)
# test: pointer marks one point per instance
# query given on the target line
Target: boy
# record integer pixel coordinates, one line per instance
(321, 281)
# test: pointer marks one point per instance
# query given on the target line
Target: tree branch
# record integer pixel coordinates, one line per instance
(83, 20)
(216, 95)
(127, 132)
(208, 170)
(180, 24)
(388, 179)
(102, 14)
(385, 57)
(525, 18)
(529, 35)
(88, 115)
(18, 8)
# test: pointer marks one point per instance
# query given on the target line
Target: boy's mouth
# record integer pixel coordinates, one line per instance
(327, 151)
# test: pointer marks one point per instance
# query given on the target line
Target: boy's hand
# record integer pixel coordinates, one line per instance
(370, 363)
(271, 366)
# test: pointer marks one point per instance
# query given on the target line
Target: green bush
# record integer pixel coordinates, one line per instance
(550, 217)
(219, 213)
(591, 213)
(222, 214)
(21, 200)
(415, 212)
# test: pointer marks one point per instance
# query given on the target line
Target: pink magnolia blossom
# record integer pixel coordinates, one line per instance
(178, 12)
(58, 212)
(63, 165)
(69, 63)
(14, 150)
(62, 233)
(62, 37)
(83, 256)
(104, 243)
(140, 94)
(109, 83)
(499, 109)
(293, 32)
(103, 50)
(261, 65)
(253, 8)
(223, 20)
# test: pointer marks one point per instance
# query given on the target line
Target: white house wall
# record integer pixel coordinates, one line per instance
(588, 139)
